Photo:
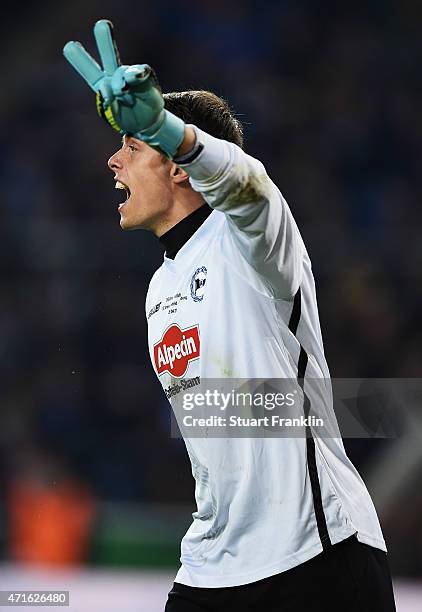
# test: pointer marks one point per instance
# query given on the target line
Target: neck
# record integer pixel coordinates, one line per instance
(185, 202)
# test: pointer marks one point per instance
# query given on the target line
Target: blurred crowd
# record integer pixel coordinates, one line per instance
(329, 94)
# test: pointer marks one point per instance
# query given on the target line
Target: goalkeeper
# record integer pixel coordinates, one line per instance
(282, 524)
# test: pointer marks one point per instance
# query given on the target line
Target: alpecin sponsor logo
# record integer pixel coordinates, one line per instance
(176, 349)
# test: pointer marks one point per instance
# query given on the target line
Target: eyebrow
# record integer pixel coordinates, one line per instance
(126, 138)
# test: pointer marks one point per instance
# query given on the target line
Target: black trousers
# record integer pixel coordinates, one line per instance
(349, 577)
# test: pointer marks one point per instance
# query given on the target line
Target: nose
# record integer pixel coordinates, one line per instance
(114, 162)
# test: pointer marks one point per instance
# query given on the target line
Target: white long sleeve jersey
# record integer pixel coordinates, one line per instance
(239, 300)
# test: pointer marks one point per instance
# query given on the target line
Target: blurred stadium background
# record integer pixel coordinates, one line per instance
(95, 496)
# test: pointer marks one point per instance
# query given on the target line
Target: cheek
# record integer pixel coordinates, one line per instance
(149, 197)
(157, 186)
(150, 183)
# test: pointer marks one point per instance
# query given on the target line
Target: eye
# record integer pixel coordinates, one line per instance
(132, 147)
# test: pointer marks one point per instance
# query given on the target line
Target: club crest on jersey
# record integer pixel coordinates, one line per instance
(197, 284)
(176, 349)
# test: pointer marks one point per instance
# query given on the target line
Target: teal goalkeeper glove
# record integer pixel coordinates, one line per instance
(129, 98)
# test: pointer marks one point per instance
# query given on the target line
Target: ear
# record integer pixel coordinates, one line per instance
(177, 174)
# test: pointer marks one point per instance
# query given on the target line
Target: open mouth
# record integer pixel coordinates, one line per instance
(120, 185)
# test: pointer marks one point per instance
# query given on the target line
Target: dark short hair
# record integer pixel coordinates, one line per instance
(208, 112)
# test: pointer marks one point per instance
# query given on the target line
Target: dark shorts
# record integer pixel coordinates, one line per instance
(349, 577)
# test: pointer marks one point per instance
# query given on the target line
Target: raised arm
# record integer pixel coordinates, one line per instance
(260, 220)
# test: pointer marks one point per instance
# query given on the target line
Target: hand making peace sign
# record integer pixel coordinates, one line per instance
(129, 98)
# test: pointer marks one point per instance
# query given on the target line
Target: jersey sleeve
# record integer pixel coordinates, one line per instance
(259, 219)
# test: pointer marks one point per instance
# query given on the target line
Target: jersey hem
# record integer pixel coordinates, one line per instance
(212, 581)
(364, 538)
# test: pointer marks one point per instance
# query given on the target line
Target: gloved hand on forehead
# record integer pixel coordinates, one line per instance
(129, 98)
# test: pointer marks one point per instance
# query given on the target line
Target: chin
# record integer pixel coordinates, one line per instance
(128, 224)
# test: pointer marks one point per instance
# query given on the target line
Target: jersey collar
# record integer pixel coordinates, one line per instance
(174, 239)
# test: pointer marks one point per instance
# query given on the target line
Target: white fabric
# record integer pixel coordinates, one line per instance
(255, 514)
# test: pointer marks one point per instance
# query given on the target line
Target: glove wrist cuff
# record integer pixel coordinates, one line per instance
(166, 134)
